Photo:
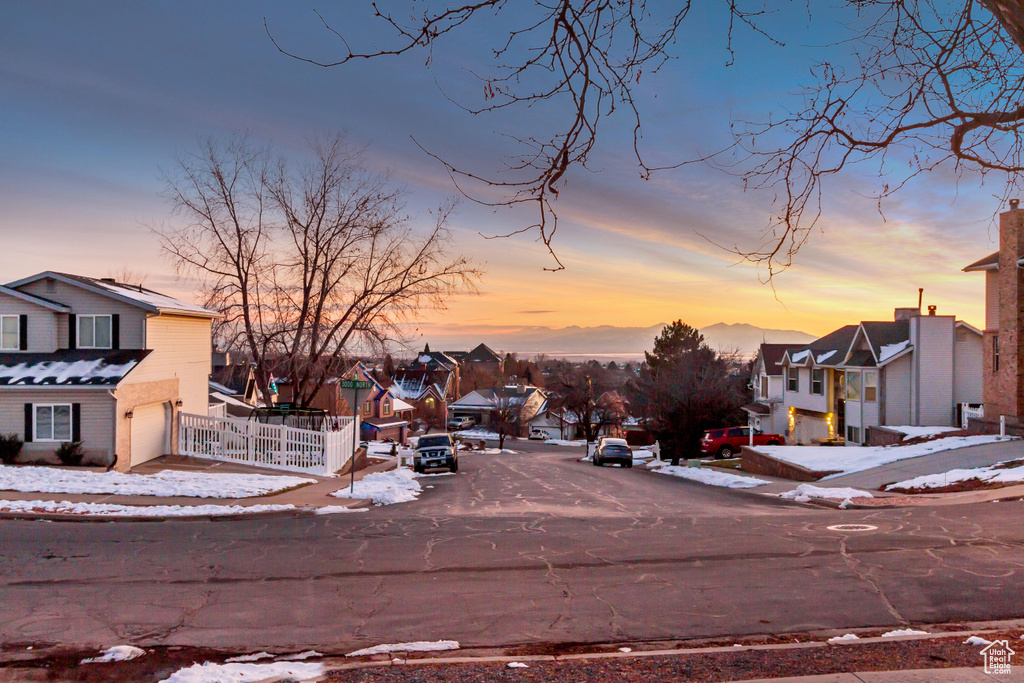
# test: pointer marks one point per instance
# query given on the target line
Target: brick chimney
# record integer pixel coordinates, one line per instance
(1010, 377)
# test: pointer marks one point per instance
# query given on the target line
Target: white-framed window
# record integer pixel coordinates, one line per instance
(792, 379)
(52, 422)
(10, 332)
(818, 381)
(870, 385)
(852, 386)
(94, 331)
(385, 408)
(764, 386)
(853, 434)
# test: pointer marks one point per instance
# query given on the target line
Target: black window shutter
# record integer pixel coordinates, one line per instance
(23, 332)
(28, 422)
(72, 332)
(76, 421)
(115, 331)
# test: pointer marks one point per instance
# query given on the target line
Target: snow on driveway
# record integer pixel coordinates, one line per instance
(707, 476)
(169, 483)
(859, 458)
(109, 509)
(416, 646)
(804, 492)
(992, 475)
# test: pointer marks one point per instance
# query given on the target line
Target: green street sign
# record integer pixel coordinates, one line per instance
(353, 384)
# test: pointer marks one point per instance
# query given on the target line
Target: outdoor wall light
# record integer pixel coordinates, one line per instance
(129, 414)
(179, 403)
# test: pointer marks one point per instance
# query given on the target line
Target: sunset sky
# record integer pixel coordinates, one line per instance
(98, 97)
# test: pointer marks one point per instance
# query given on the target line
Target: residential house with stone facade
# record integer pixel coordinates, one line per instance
(101, 362)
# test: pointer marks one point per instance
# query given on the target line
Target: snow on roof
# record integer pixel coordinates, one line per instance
(68, 368)
(799, 355)
(399, 404)
(133, 294)
(822, 357)
(890, 350)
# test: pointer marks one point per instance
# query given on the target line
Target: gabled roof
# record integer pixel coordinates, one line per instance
(829, 350)
(84, 367)
(485, 398)
(37, 300)
(990, 262)
(885, 335)
(861, 359)
(771, 356)
(482, 354)
(135, 295)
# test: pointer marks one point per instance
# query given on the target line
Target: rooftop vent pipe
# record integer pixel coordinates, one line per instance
(931, 310)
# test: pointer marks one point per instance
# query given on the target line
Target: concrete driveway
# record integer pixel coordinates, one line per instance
(535, 547)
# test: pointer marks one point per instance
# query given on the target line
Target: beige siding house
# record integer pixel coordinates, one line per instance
(101, 362)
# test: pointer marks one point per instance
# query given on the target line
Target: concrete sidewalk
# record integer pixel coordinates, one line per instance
(920, 676)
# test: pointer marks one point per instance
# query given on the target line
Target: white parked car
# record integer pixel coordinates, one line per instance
(538, 435)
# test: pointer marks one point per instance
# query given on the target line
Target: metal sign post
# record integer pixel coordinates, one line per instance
(354, 386)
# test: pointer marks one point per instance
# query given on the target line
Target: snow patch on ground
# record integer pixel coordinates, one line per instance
(385, 488)
(904, 632)
(254, 657)
(209, 672)
(165, 484)
(498, 451)
(477, 434)
(113, 510)
(915, 432)
(118, 653)
(578, 443)
(860, 458)
(417, 646)
(992, 475)
(707, 476)
(518, 665)
(976, 640)
(625, 649)
(839, 639)
(804, 492)
(336, 509)
(308, 654)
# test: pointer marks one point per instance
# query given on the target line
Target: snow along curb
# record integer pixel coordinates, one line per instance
(618, 654)
(291, 511)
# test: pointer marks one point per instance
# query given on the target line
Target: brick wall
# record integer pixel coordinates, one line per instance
(1007, 384)
(880, 436)
(757, 462)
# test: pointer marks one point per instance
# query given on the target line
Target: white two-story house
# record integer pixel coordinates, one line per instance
(915, 370)
(767, 413)
(104, 363)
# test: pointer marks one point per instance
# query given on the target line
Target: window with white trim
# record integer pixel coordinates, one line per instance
(792, 379)
(853, 434)
(385, 408)
(818, 381)
(870, 385)
(94, 331)
(51, 422)
(9, 333)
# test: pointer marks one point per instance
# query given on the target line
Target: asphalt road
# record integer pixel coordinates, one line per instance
(535, 547)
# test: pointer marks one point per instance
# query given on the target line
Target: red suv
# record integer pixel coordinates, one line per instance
(722, 443)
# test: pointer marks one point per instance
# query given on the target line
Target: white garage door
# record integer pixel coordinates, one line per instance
(149, 433)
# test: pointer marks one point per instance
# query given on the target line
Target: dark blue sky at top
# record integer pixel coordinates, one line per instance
(98, 97)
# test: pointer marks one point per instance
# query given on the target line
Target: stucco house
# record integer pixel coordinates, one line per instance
(767, 412)
(101, 362)
(914, 370)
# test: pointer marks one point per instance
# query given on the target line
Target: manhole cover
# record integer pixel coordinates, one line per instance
(852, 527)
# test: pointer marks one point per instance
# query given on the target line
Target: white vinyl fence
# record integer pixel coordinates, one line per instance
(266, 445)
(967, 412)
(218, 410)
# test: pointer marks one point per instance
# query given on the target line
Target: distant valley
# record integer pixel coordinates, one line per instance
(604, 342)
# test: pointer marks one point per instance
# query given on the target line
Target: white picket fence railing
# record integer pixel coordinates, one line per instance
(967, 412)
(266, 445)
(218, 410)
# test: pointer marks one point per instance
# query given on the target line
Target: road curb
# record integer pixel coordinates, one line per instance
(305, 511)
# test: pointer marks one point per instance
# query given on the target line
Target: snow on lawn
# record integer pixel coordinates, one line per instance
(915, 432)
(109, 509)
(839, 639)
(498, 451)
(417, 646)
(804, 492)
(991, 475)
(707, 476)
(167, 483)
(118, 653)
(209, 672)
(578, 443)
(336, 509)
(859, 458)
(381, 449)
(385, 488)
(256, 656)
(642, 454)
